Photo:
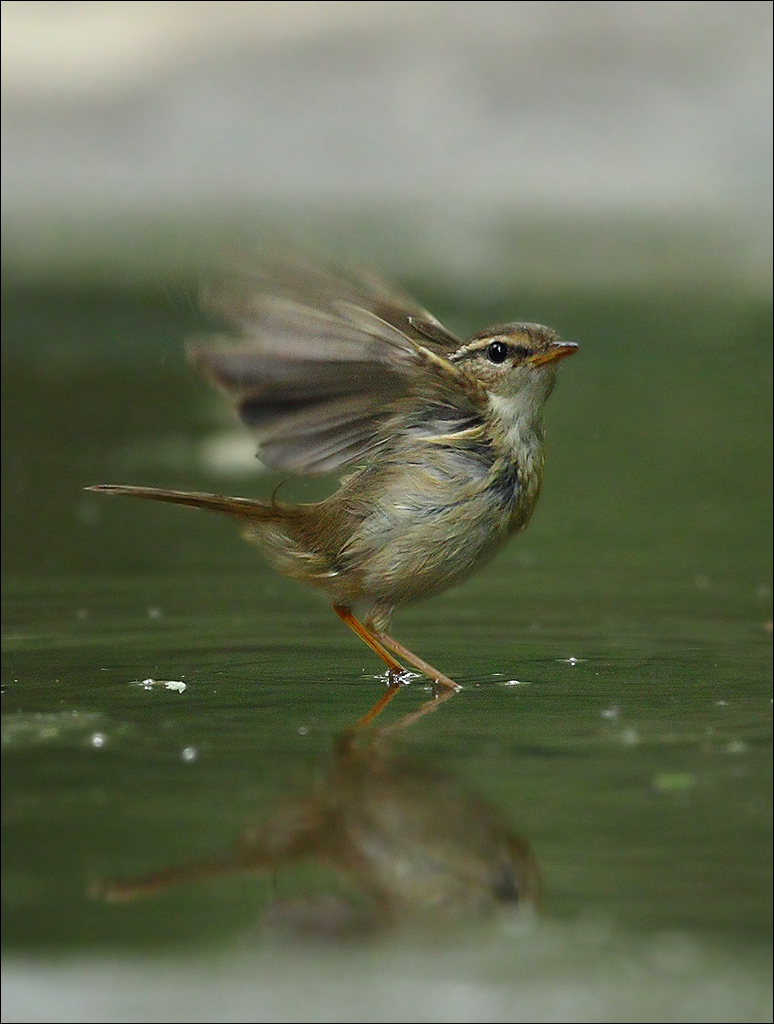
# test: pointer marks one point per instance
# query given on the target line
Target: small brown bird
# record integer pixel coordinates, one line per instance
(446, 437)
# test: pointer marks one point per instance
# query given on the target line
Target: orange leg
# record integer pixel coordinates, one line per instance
(394, 668)
(379, 641)
(367, 636)
(424, 667)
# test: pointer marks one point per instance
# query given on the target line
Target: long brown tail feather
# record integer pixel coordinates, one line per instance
(240, 508)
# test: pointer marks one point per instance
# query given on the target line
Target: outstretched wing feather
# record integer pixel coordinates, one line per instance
(321, 363)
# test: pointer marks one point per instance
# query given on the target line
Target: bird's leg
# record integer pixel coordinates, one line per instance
(379, 641)
(374, 624)
(394, 668)
(438, 698)
(424, 667)
(368, 636)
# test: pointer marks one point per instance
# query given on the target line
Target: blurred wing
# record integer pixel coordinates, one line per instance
(321, 363)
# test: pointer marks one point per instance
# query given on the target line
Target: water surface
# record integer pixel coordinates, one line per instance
(615, 661)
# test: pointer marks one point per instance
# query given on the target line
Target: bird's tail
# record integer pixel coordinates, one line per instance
(238, 508)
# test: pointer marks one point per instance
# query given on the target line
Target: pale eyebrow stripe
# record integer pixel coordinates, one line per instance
(475, 346)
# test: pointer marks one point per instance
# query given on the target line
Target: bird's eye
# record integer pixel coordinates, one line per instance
(497, 352)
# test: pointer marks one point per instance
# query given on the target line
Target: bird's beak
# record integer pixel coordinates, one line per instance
(557, 350)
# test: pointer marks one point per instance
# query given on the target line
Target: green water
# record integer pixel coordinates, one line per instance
(615, 659)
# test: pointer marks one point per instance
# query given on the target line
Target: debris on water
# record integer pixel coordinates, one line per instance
(168, 684)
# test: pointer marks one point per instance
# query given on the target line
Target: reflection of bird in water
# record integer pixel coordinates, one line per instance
(408, 840)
